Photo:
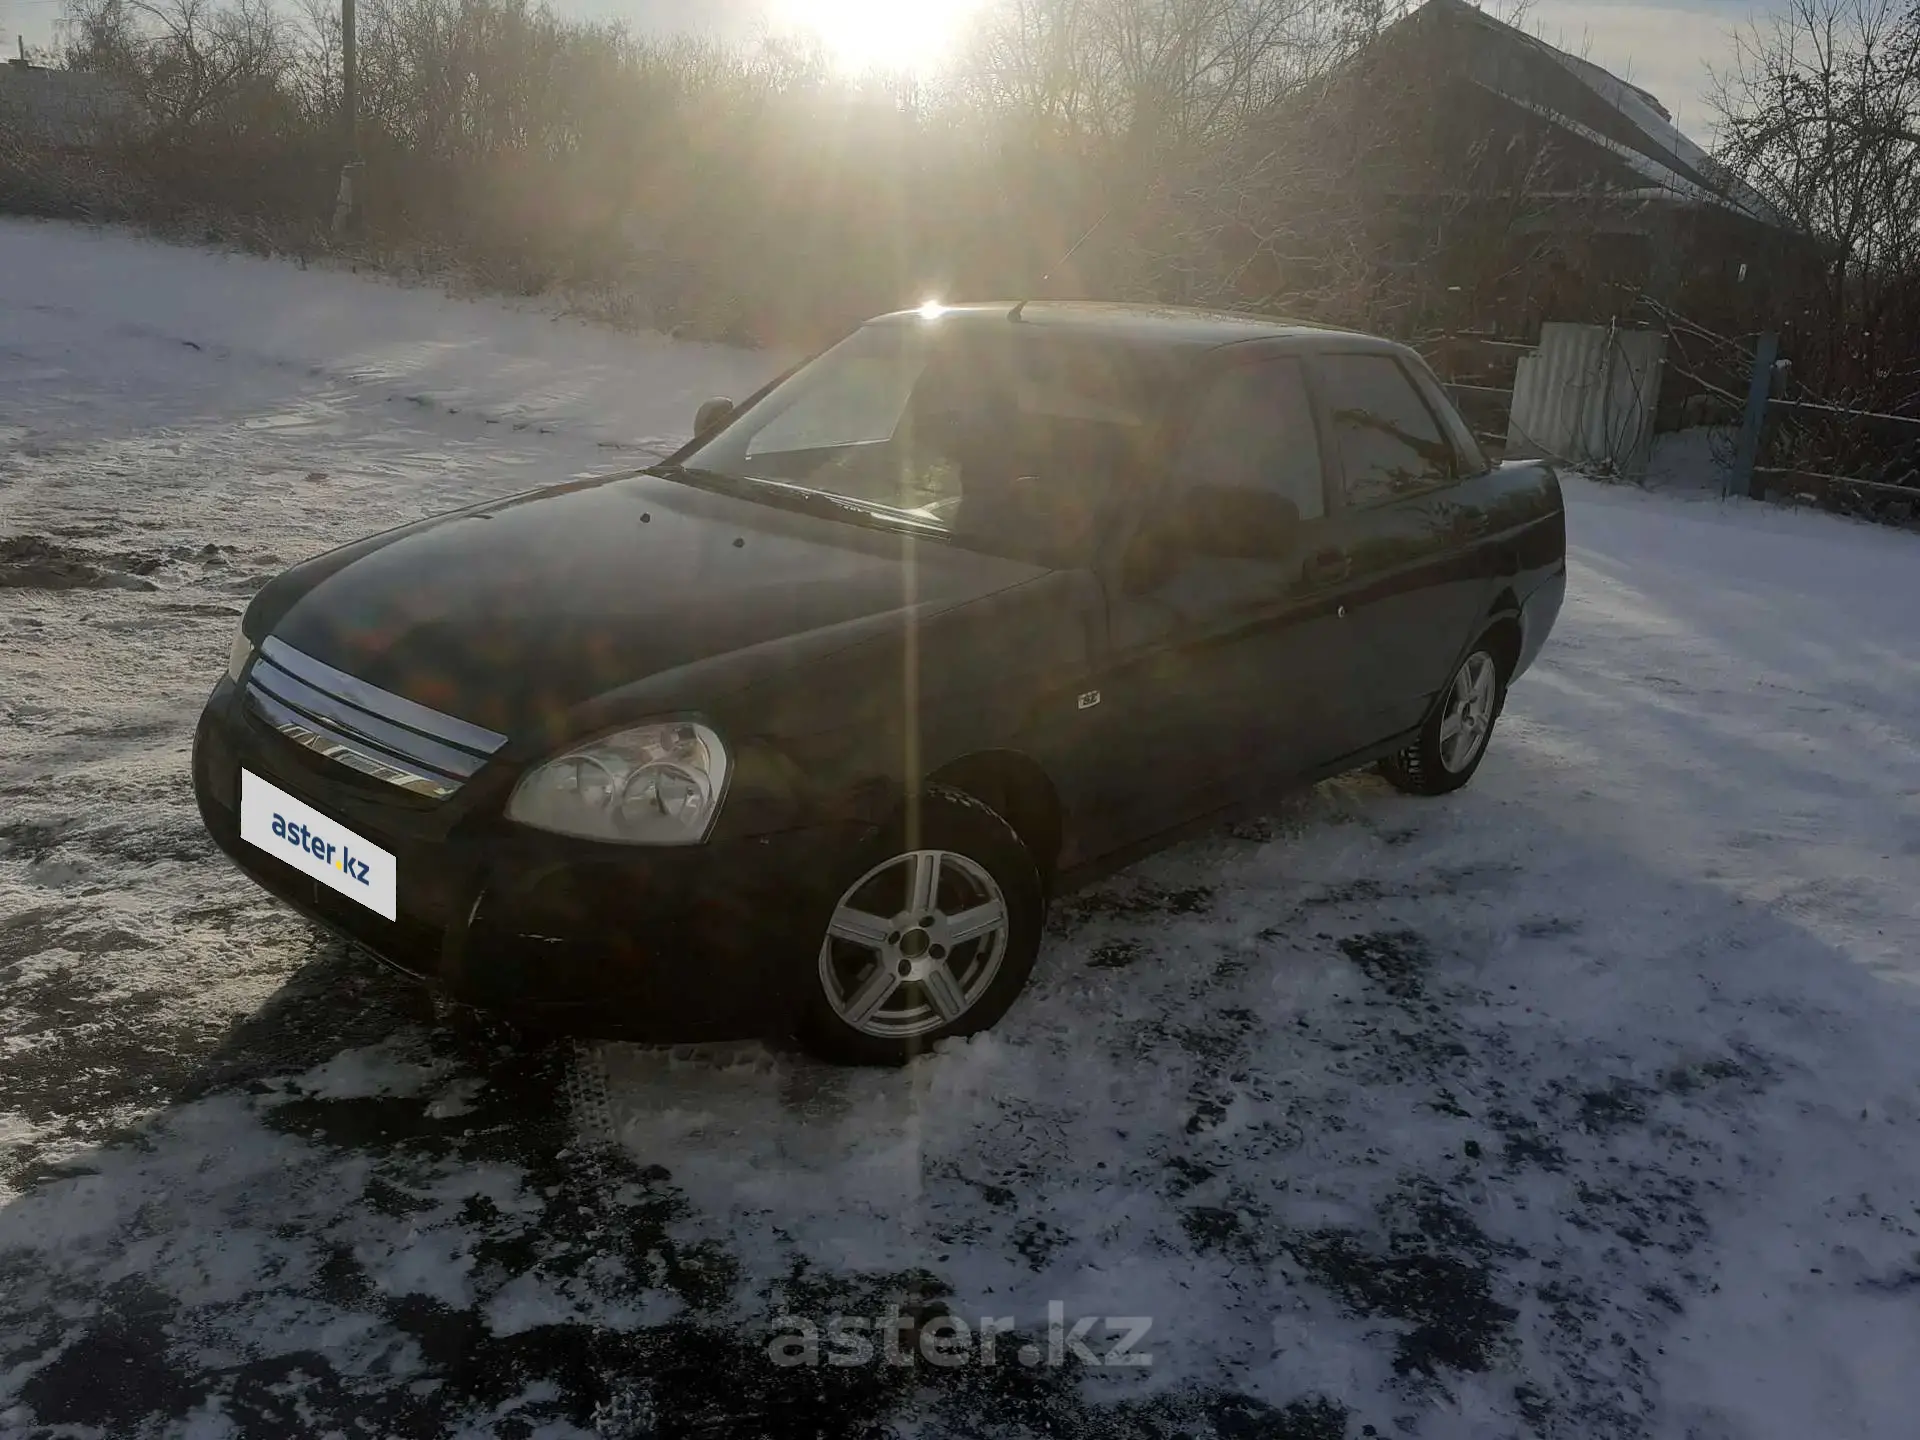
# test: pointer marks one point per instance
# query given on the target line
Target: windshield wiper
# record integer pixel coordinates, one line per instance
(799, 497)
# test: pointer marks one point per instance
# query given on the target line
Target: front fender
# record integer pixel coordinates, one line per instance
(851, 734)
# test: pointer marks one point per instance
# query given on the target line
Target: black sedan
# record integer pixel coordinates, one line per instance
(799, 730)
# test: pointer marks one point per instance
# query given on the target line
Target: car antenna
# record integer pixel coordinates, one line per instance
(1019, 305)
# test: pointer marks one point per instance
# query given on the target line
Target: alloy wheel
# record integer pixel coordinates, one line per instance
(1468, 719)
(913, 944)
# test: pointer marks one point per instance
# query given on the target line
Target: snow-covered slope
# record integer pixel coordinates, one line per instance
(1584, 1102)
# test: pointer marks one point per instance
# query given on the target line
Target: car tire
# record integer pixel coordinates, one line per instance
(1454, 740)
(885, 984)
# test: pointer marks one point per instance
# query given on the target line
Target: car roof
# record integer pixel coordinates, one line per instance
(1173, 327)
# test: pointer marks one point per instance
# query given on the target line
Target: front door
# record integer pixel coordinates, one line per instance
(1218, 676)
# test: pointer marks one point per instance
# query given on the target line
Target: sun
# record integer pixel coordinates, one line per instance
(916, 36)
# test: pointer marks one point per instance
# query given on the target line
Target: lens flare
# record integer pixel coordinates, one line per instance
(913, 36)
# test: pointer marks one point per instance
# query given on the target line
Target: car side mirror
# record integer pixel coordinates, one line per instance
(711, 415)
(1237, 524)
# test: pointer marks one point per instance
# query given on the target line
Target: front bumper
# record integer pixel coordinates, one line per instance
(662, 943)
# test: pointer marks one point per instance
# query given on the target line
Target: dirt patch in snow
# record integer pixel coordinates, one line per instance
(33, 562)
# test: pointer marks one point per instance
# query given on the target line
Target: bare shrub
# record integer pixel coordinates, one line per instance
(1242, 152)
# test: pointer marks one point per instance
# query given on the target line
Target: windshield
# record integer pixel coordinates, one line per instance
(1004, 441)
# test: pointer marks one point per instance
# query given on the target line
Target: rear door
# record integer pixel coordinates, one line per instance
(1409, 534)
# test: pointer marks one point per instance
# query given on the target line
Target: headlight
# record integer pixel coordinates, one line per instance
(652, 785)
(237, 657)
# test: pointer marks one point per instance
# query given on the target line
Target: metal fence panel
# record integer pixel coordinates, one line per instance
(1587, 395)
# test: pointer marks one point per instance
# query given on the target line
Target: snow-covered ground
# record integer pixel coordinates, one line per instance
(1585, 1102)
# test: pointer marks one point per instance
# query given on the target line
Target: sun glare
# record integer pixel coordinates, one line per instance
(917, 36)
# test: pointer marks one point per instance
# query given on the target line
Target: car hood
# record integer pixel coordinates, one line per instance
(511, 614)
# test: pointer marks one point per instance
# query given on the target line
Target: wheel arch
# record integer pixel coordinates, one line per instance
(1501, 626)
(1020, 791)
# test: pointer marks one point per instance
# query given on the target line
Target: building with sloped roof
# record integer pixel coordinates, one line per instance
(1469, 175)
(69, 109)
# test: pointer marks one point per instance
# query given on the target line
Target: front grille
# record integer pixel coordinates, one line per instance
(349, 721)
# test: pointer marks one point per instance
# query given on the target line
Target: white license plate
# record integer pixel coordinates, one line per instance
(313, 844)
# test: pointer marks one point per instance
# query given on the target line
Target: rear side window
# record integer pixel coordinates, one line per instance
(1390, 444)
(1253, 430)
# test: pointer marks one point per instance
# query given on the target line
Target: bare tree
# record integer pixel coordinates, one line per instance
(1161, 76)
(190, 64)
(756, 191)
(1820, 115)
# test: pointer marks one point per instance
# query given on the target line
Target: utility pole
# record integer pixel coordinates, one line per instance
(345, 204)
(349, 81)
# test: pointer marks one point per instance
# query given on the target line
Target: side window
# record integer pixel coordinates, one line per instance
(1390, 445)
(1469, 458)
(1253, 430)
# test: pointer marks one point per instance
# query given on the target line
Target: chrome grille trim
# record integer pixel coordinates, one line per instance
(366, 729)
(367, 762)
(396, 708)
(362, 726)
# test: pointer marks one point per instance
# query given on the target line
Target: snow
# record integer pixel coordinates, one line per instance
(1583, 1102)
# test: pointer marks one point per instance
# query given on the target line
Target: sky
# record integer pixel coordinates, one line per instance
(1664, 48)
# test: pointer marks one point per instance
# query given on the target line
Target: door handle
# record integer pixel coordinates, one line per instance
(1326, 566)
